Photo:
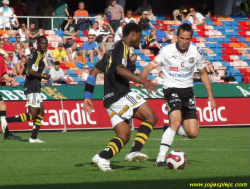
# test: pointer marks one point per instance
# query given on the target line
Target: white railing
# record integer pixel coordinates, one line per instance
(51, 17)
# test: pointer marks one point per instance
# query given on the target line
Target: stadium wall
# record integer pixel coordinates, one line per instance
(64, 105)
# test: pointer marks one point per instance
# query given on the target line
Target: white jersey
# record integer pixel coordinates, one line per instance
(178, 68)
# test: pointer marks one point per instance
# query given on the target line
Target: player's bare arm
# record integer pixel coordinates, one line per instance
(39, 75)
(206, 81)
(132, 77)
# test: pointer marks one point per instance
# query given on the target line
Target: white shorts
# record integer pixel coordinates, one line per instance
(124, 108)
(34, 100)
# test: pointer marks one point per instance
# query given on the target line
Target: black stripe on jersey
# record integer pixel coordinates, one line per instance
(131, 99)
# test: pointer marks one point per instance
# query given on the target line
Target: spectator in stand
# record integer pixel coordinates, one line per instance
(70, 28)
(195, 18)
(14, 21)
(151, 15)
(16, 60)
(20, 9)
(60, 10)
(67, 42)
(24, 34)
(129, 16)
(18, 40)
(95, 31)
(178, 14)
(85, 73)
(30, 49)
(8, 46)
(33, 33)
(203, 9)
(46, 10)
(144, 22)
(100, 79)
(6, 12)
(151, 39)
(32, 10)
(105, 31)
(17, 48)
(208, 17)
(171, 38)
(144, 7)
(88, 48)
(82, 23)
(59, 54)
(72, 54)
(48, 59)
(244, 8)
(6, 56)
(57, 74)
(118, 33)
(116, 12)
(159, 79)
(133, 69)
(107, 43)
(161, 34)
(20, 67)
(210, 68)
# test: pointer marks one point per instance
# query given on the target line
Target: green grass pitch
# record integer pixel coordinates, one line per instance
(217, 155)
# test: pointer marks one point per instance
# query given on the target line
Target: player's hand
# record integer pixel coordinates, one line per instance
(138, 85)
(212, 102)
(149, 86)
(14, 84)
(46, 76)
(88, 105)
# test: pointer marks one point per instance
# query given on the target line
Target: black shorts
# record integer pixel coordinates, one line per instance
(181, 99)
(1, 98)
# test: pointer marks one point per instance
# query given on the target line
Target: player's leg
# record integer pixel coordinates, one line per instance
(191, 127)
(168, 137)
(38, 114)
(181, 131)
(4, 124)
(145, 114)
(122, 130)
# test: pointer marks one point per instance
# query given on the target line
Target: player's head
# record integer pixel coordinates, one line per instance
(184, 37)
(42, 44)
(133, 32)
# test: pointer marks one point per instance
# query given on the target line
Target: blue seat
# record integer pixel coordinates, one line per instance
(76, 78)
(59, 32)
(20, 80)
(238, 77)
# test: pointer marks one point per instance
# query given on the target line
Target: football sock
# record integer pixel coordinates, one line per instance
(166, 142)
(113, 148)
(142, 136)
(36, 126)
(181, 131)
(3, 114)
(19, 118)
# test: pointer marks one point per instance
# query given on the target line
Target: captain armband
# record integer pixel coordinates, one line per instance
(89, 87)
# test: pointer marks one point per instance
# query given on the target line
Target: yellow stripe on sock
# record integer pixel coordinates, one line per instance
(120, 140)
(140, 140)
(30, 116)
(22, 119)
(40, 116)
(38, 120)
(113, 150)
(37, 123)
(25, 117)
(142, 135)
(148, 125)
(114, 145)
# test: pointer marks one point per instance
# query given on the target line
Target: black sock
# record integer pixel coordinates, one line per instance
(113, 148)
(142, 136)
(36, 126)
(2, 113)
(19, 118)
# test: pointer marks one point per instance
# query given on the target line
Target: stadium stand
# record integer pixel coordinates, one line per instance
(225, 42)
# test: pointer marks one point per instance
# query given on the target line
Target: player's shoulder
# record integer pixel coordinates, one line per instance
(33, 54)
(169, 48)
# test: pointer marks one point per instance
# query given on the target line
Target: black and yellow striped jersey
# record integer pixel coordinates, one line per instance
(115, 86)
(35, 63)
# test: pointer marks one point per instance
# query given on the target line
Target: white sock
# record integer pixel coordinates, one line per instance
(181, 131)
(166, 142)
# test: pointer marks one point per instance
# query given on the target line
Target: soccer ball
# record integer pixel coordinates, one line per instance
(176, 159)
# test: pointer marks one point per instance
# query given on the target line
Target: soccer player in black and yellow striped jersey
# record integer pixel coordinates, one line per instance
(120, 102)
(32, 88)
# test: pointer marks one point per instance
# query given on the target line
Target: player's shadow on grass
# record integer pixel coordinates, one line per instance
(24, 140)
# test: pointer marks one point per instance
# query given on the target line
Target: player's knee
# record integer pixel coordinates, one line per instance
(153, 119)
(175, 125)
(193, 134)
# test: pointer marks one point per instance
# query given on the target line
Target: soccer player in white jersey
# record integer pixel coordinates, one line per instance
(177, 62)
